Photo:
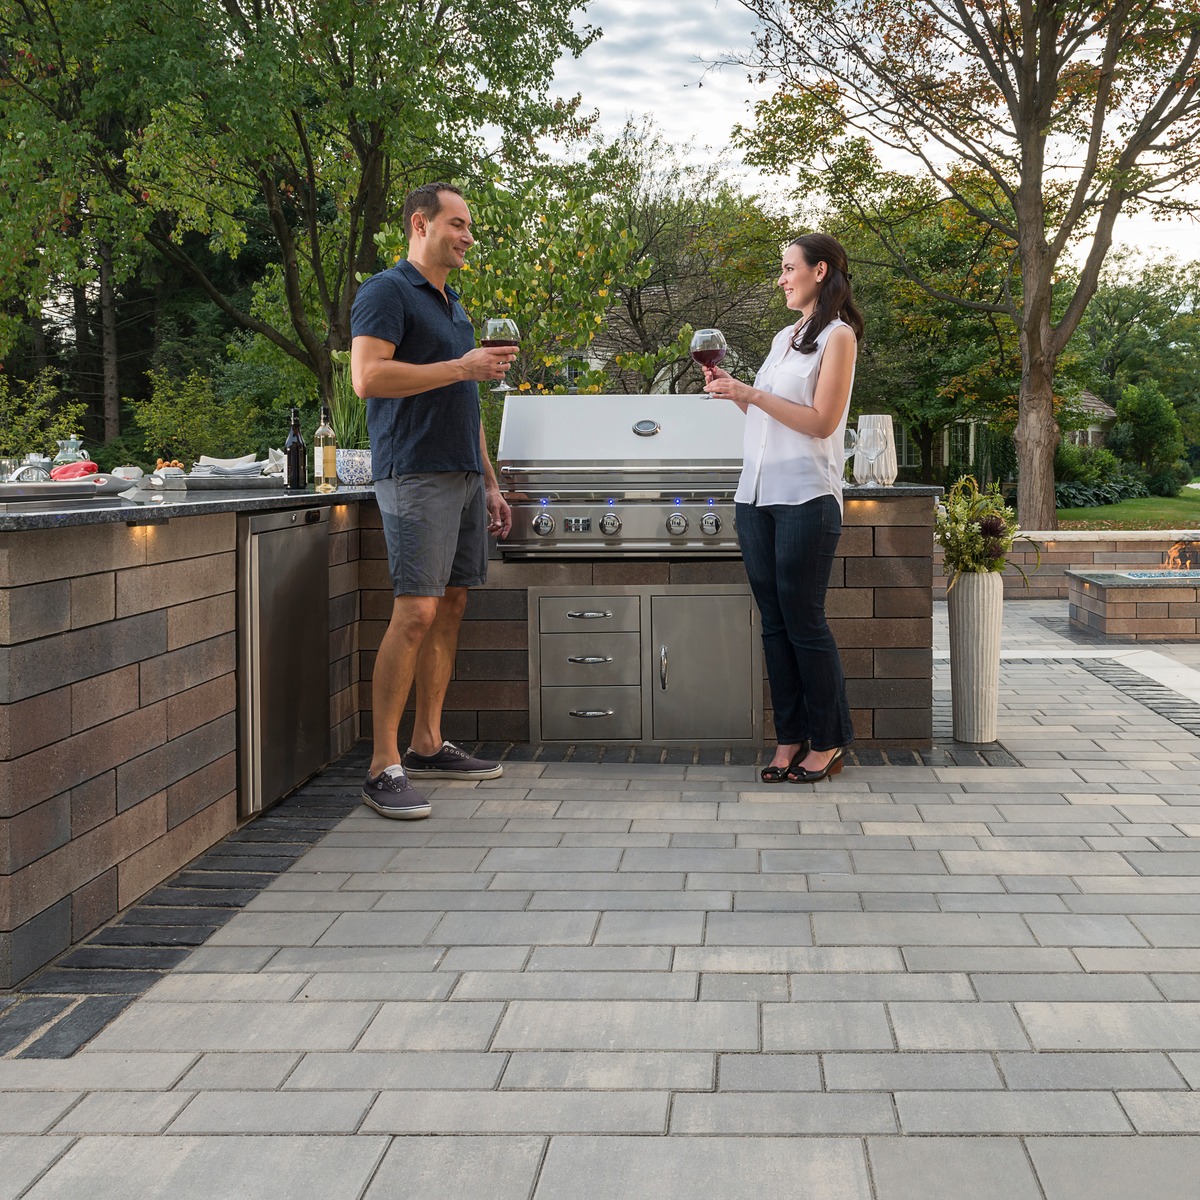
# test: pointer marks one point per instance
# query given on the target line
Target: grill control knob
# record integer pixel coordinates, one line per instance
(543, 524)
(610, 523)
(677, 523)
(710, 523)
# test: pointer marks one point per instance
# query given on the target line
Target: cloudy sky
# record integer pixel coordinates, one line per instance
(653, 59)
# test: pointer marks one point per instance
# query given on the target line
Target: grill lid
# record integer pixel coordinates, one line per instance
(563, 444)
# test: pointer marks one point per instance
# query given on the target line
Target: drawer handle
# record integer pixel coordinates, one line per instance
(586, 615)
(588, 660)
(590, 712)
(662, 667)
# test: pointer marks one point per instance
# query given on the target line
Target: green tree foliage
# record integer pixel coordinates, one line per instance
(33, 417)
(185, 418)
(708, 257)
(299, 122)
(1142, 325)
(1071, 111)
(1148, 434)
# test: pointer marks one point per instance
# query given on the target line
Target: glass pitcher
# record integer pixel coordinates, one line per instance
(70, 450)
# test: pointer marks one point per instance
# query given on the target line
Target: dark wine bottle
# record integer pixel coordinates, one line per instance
(296, 469)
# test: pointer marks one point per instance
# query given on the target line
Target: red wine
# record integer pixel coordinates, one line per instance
(710, 358)
(493, 342)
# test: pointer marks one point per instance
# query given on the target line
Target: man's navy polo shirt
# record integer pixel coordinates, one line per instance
(437, 430)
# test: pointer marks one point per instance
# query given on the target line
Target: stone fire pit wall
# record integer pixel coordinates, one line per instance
(879, 605)
(1133, 610)
(1066, 550)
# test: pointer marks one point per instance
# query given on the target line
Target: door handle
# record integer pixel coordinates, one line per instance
(586, 615)
(588, 660)
(662, 667)
(590, 712)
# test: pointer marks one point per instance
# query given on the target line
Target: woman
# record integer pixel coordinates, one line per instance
(789, 503)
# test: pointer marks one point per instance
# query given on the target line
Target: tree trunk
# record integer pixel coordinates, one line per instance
(81, 321)
(923, 435)
(108, 347)
(1037, 437)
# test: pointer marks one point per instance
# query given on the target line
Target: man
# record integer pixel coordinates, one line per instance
(413, 357)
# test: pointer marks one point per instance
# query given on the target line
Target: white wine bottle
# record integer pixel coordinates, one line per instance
(325, 455)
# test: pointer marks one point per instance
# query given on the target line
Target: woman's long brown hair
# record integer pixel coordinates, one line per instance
(836, 297)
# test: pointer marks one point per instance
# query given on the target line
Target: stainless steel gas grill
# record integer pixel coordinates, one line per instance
(605, 476)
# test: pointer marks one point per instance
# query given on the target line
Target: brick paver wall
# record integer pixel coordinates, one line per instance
(879, 607)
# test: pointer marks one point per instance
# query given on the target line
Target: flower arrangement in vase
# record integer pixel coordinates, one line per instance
(976, 531)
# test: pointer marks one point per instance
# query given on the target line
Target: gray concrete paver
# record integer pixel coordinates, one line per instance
(948, 1168)
(682, 1168)
(500, 1168)
(201, 1168)
(24, 1159)
(1089, 1168)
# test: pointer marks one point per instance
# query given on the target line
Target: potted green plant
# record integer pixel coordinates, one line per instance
(976, 531)
(348, 415)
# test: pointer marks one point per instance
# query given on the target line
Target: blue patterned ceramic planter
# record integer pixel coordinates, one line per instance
(354, 468)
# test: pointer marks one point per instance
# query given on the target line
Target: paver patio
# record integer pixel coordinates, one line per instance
(620, 980)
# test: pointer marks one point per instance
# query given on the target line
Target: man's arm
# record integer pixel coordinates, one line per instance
(375, 372)
(499, 514)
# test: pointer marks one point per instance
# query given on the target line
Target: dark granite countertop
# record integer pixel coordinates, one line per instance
(195, 503)
(177, 504)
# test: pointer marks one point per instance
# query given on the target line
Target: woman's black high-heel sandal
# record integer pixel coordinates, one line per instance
(781, 774)
(798, 774)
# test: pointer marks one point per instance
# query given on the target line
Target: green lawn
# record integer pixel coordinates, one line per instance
(1151, 512)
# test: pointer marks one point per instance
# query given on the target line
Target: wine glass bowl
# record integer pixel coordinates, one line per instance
(500, 331)
(708, 347)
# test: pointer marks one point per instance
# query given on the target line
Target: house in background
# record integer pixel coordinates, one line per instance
(1100, 417)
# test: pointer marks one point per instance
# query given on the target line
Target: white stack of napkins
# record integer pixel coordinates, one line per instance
(247, 464)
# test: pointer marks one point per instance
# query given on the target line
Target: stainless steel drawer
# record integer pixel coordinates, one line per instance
(580, 659)
(566, 614)
(591, 714)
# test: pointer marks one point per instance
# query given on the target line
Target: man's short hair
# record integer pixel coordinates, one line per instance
(427, 200)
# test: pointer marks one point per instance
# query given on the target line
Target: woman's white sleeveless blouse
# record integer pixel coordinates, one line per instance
(781, 466)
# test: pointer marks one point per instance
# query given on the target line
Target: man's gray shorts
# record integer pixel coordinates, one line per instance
(435, 526)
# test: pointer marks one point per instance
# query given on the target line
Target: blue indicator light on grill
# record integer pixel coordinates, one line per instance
(678, 500)
(611, 501)
(545, 501)
(711, 502)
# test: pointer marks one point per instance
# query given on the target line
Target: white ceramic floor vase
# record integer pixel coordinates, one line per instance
(975, 605)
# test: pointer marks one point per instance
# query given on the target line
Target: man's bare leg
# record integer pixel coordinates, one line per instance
(395, 668)
(435, 665)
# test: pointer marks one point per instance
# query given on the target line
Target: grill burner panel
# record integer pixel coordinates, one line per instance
(620, 475)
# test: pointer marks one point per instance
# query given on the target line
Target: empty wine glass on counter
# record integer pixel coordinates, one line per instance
(872, 443)
(849, 444)
(500, 331)
(708, 347)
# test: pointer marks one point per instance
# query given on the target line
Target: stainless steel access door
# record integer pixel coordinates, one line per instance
(283, 652)
(701, 666)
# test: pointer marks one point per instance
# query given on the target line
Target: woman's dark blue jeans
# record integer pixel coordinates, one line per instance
(788, 550)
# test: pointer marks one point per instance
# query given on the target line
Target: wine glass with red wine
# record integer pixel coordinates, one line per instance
(708, 347)
(500, 331)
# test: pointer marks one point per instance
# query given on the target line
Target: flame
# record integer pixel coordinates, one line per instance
(1183, 556)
